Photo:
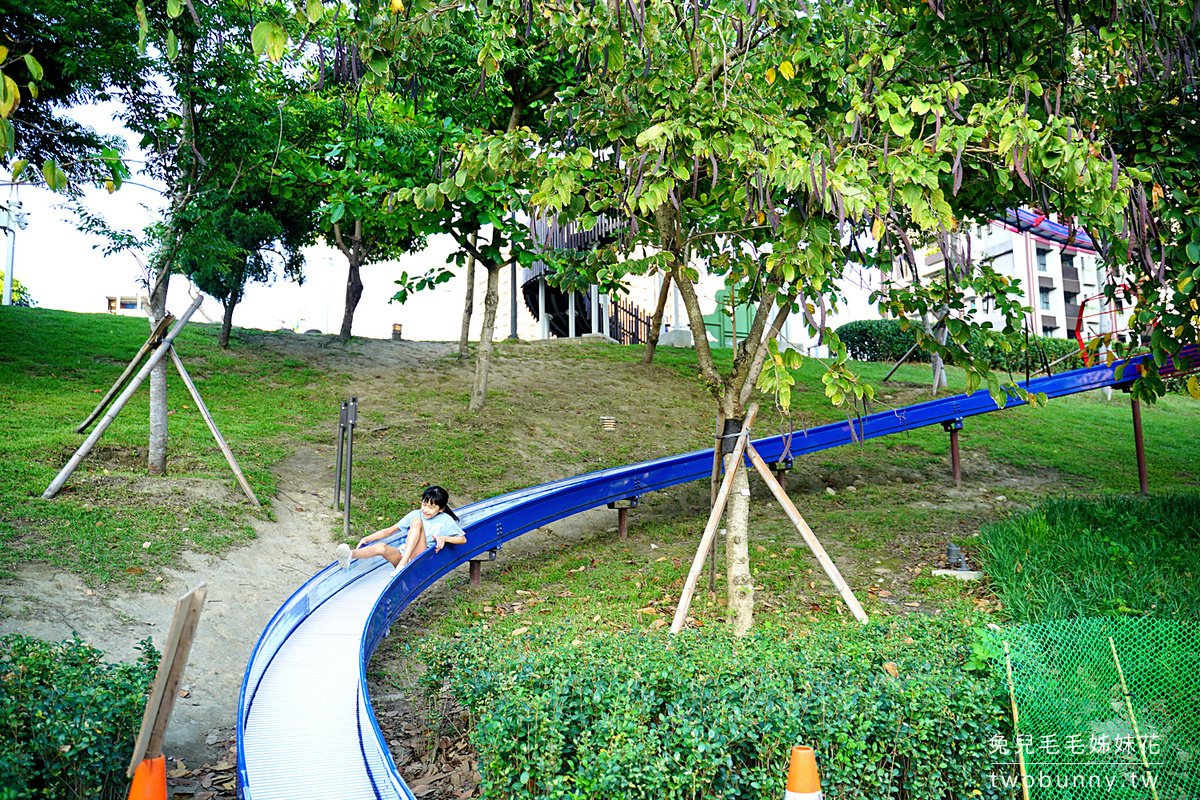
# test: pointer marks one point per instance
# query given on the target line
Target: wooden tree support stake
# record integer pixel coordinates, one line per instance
(159, 331)
(212, 426)
(714, 519)
(1012, 696)
(158, 355)
(809, 537)
(1133, 719)
(166, 682)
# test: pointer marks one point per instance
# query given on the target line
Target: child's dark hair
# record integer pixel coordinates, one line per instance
(440, 498)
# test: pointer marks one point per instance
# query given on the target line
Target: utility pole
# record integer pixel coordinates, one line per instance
(11, 218)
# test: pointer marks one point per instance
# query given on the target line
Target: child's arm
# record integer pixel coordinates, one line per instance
(441, 541)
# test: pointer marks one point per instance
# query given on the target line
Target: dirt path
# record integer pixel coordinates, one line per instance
(245, 588)
(246, 585)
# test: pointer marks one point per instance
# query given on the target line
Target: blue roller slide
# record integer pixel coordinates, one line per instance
(305, 725)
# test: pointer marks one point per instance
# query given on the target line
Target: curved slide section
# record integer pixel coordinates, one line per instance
(305, 725)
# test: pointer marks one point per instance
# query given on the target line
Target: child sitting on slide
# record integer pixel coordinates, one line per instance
(432, 525)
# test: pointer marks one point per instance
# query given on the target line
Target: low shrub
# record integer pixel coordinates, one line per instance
(708, 715)
(1042, 351)
(884, 340)
(69, 719)
(879, 340)
(1074, 557)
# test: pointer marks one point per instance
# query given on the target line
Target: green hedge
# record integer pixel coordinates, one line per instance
(68, 719)
(878, 340)
(706, 715)
(884, 340)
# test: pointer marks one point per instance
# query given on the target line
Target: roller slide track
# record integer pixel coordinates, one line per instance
(305, 725)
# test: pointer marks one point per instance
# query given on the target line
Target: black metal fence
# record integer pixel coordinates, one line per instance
(627, 323)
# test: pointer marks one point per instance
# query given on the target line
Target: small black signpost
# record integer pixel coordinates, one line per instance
(347, 419)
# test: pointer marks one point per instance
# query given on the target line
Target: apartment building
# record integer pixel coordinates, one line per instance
(1063, 277)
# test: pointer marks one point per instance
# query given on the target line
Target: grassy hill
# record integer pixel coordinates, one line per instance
(271, 393)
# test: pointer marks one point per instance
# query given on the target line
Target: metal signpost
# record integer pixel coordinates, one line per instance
(347, 419)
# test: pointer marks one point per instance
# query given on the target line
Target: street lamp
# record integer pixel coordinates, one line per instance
(11, 218)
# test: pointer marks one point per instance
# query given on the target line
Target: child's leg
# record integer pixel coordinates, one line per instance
(378, 549)
(415, 545)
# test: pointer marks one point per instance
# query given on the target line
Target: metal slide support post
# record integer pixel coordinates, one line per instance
(337, 478)
(622, 507)
(954, 459)
(954, 426)
(351, 421)
(1140, 447)
(513, 307)
(718, 448)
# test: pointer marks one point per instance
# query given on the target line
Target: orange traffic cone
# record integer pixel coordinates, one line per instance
(150, 780)
(803, 783)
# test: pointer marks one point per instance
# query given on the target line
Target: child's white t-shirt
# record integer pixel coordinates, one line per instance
(441, 525)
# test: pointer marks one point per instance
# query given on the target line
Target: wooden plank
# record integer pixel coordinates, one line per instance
(714, 519)
(809, 537)
(166, 682)
(212, 426)
(159, 330)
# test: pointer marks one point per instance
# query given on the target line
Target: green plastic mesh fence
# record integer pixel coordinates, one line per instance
(1106, 709)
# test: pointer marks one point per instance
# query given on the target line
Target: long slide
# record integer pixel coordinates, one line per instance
(305, 726)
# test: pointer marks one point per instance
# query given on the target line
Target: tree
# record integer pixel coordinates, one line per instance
(436, 55)
(358, 150)
(20, 294)
(241, 241)
(1134, 83)
(54, 55)
(206, 125)
(766, 142)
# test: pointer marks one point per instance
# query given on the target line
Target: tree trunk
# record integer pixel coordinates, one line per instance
(354, 288)
(156, 461)
(656, 321)
(739, 583)
(226, 324)
(355, 255)
(468, 304)
(939, 368)
(483, 361)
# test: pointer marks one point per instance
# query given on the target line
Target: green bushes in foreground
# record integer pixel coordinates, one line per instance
(1110, 556)
(707, 715)
(68, 719)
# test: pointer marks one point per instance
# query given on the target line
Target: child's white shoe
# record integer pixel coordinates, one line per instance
(343, 555)
(397, 569)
